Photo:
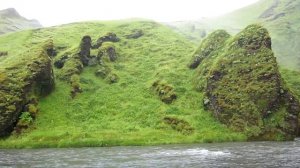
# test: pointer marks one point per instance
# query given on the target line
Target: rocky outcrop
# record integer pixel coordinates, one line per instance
(107, 49)
(72, 62)
(208, 46)
(50, 48)
(85, 50)
(61, 62)
(164, 91)
(244, 89)
(109, 37)
(21, 84)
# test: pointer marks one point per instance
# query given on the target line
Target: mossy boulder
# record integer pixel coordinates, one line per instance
(164, 91)
(107, 49)
(21, 80)
(244, 88)
(61, 62)
(85, 49)
(179, 125)
(209, 45)
(50, 48)
(71, 66)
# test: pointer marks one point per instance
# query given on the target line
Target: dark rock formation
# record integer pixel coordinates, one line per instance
(50, 49)
(74, 61)
(244, 89)
(3, 53)
(20, 82)
(61, 62)
(109, 37)
(107, 49)
(165, 92)
(85, 49)
(136, 33)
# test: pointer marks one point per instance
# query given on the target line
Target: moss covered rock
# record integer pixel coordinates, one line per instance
(85, 49)
(108, 37)
(208, 47)
(244, 88)
(72, 65)
(179, 125)
(50, 48)
(107, 49)
(164, 91)
(21, 80)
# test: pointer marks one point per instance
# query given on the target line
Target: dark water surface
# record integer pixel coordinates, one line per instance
(246, 154)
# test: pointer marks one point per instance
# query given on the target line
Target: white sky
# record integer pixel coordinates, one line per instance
(54, 12)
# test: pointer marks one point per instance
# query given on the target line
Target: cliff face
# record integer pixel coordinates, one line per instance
(22, 83)
(244, 89)
(11, 20)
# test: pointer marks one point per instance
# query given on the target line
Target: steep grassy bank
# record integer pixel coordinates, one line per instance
(128, 111)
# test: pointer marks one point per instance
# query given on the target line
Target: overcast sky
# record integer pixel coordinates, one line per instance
(54, 12)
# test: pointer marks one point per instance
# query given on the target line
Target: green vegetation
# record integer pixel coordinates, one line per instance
(23, 77)
(109, 112)
(243, 86)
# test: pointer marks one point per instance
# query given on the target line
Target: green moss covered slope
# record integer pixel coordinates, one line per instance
(116, 83)
(127, 83)
(244, 88)
(23, 78)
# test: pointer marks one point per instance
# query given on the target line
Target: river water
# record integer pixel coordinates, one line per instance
(245, 154)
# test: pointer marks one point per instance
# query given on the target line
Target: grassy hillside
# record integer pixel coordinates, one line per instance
(132, 109)
(11, 21)
(280, 17)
